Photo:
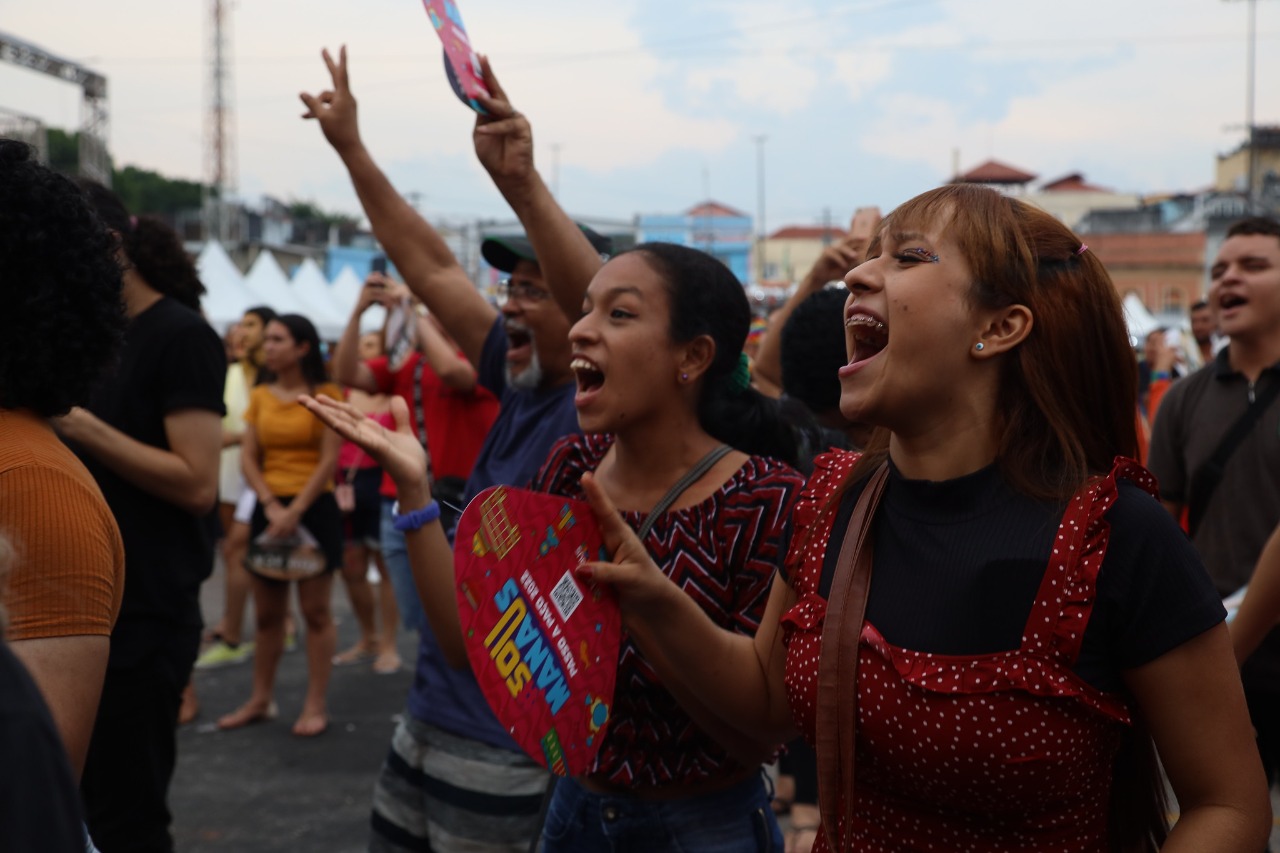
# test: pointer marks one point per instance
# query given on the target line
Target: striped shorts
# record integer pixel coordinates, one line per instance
(441, 793)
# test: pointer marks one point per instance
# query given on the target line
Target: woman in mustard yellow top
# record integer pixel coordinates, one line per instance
(288, 459)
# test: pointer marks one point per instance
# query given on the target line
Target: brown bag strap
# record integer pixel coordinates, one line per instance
(837, 712)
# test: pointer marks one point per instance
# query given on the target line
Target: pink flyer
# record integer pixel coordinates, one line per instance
(460, 62)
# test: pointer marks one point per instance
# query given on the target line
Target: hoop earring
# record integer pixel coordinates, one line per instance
(979, 346)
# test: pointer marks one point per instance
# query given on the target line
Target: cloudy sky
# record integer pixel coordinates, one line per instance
(653, 105)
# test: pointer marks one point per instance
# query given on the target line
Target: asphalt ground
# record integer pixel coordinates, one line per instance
(260, 789)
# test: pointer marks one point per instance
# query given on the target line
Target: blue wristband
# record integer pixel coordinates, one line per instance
(415, 520)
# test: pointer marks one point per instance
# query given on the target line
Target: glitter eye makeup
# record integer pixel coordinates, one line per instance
(922, 254)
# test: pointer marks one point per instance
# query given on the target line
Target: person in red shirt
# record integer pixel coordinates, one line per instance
(451, 413)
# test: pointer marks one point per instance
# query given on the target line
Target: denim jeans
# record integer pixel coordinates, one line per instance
(395, 557)
(735, 820)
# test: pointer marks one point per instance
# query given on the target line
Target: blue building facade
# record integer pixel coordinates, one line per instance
(714, 228)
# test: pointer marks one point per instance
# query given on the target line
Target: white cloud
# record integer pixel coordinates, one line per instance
(607, 115)
(767, 62)
(1116, 88)
(861, 71)
(1152, 109)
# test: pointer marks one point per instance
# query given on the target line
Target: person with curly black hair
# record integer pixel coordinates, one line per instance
(151, 437)
(61, 321)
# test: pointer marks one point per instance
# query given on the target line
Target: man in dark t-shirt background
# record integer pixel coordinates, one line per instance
(1196, 414)
(151, 438)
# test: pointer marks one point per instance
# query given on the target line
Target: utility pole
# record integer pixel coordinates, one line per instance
(1251, 60)
(760, 232)
(1251, 53)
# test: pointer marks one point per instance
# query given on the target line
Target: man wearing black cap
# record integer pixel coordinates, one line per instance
(454, 779)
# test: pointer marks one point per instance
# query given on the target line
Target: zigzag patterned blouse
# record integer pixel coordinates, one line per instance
(723, 553)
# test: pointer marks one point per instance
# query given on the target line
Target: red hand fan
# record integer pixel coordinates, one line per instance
(543, 646)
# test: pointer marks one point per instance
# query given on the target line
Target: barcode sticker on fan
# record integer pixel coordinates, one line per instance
(566, 596)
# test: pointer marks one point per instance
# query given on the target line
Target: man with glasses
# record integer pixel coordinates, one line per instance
(454, 779)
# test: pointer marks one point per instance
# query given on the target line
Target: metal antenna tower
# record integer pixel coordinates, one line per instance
(219, 127)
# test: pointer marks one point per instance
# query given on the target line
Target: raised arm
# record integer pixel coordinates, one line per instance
(1260, 610)
(836, 260)
(419, 253)
(348, 368)
(442, 356)
(430, 557)
(735, 677)
(504, 145)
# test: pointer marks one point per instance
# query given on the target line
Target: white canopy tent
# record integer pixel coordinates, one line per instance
(313, 290)
(269, 286)
(226, 297)
(1140, 321)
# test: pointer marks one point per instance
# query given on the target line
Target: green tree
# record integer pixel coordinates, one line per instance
(306, 211)
(64, 151)
(147, 192)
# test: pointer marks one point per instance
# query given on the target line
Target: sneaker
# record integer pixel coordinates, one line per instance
(222, 654)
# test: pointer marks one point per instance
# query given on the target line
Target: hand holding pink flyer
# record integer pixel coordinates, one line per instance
(460, 62)
(543, 647)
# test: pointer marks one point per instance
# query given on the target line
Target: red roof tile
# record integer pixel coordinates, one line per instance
(807, 232)
(994, 172)
(1074, 182)
(713, 208)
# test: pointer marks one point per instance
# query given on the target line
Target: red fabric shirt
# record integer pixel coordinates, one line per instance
(456, 421)
(994, 752)
(723, 553)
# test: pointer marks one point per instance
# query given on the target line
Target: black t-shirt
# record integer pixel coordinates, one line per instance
(171, 360)
(39, 801)
(957, 565)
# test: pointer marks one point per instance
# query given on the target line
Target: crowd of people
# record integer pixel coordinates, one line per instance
(908, 545)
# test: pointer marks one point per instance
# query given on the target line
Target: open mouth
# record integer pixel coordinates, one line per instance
(519, 342)
(1231, 300)
(588, 374)
(869, 336)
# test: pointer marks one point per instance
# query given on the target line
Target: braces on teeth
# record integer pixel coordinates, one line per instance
(869, 322)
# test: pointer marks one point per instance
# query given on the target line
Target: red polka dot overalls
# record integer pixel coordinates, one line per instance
(1006, 751)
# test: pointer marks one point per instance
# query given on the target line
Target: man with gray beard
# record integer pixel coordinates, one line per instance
(454, 780)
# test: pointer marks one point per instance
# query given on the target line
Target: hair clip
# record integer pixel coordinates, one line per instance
(1082, 249)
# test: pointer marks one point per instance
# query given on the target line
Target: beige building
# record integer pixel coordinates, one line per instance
(1070, 197)
(792, 251)
(1233, 167)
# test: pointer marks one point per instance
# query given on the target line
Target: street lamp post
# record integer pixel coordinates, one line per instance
(760, 140)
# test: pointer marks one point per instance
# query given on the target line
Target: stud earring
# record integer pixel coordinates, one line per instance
(979, 346)
(684, 377)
